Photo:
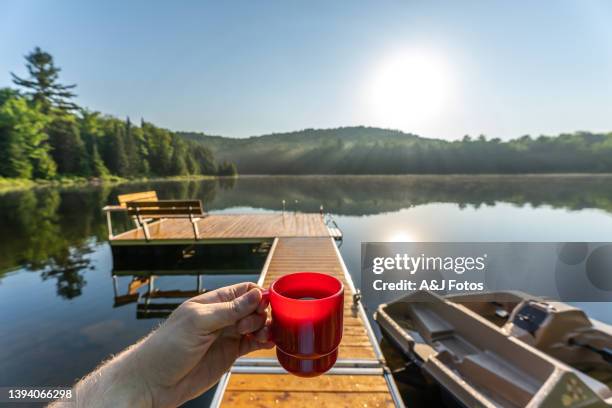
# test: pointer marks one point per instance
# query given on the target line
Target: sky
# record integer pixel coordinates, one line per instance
(439, 69)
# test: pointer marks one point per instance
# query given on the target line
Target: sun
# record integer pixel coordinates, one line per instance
(409, 89)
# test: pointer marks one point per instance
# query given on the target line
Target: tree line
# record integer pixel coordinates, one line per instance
(366, 150)
(44, 134)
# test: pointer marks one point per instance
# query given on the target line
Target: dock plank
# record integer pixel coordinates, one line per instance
(232, 226)
(324, 383)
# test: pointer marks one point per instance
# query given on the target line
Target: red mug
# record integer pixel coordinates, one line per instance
(307, 314)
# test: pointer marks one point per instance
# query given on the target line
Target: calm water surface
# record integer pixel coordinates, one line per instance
(58, 313)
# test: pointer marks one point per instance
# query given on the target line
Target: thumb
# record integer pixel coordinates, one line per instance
(225, 314)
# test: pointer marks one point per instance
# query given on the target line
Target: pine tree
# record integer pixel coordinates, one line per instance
(177, 162)
(204, 158)
(117, 160)
(192, 165)
(132, 149)
(91, 134)
(98, 167)
(227, 169)
(42, 85)
(68, 149)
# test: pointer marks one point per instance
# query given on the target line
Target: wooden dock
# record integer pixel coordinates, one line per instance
(300, 242)
(230, 228)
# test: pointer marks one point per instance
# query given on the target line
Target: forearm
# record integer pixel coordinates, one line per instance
(119, 382)
(184, 357)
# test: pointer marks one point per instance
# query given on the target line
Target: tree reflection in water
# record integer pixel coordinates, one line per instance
(52, 231)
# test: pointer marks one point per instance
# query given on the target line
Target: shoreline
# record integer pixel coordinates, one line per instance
(8, 185)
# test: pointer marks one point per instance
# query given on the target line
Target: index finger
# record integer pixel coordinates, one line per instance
(224, 294)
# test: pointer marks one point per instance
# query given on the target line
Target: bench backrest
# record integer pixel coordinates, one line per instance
(142, 196)
(165, 208)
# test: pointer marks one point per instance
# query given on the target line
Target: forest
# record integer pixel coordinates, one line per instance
(367, 150)
(44, 134)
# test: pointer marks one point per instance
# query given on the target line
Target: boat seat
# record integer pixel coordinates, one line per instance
(499, 377)
(430, 324)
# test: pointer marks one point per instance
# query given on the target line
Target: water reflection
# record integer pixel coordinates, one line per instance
(63, 315)
(152, 302)
(69, 274)
(51, 231)
(182, 272)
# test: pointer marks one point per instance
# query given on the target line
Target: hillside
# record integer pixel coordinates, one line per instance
(309, 151)
(365, 150)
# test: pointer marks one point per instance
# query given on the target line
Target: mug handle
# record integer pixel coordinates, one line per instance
(265, 299)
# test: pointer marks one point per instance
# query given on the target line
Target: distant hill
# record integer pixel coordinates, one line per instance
(309, 151)
(367, 150)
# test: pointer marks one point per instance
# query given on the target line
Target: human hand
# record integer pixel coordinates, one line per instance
(201, 340)
(186, 355)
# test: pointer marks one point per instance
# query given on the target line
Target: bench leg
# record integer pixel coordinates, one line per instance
(196, 233)
(145, 228)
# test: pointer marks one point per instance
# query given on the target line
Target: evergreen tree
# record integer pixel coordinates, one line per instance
(204, 159)
(91, 134)
(116, 157)
(178, 161)
(227, 169)
(68, 149)
(42, 86)
(159, 144)
(192, 165)
(132, 149)
(97, 164)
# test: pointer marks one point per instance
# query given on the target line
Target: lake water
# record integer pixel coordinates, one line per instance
(58, 313)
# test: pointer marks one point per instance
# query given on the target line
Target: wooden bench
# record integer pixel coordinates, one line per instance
(144, 207)
(142, 196)
(144, 211)
(122, 207)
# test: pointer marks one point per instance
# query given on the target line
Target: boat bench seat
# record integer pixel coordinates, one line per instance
(499, 377)
(429, 323)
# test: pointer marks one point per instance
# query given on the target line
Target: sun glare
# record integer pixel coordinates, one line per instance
(408, 90)
(401, 236)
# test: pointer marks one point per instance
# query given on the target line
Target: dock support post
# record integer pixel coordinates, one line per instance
(109, 225)
(115, 286)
